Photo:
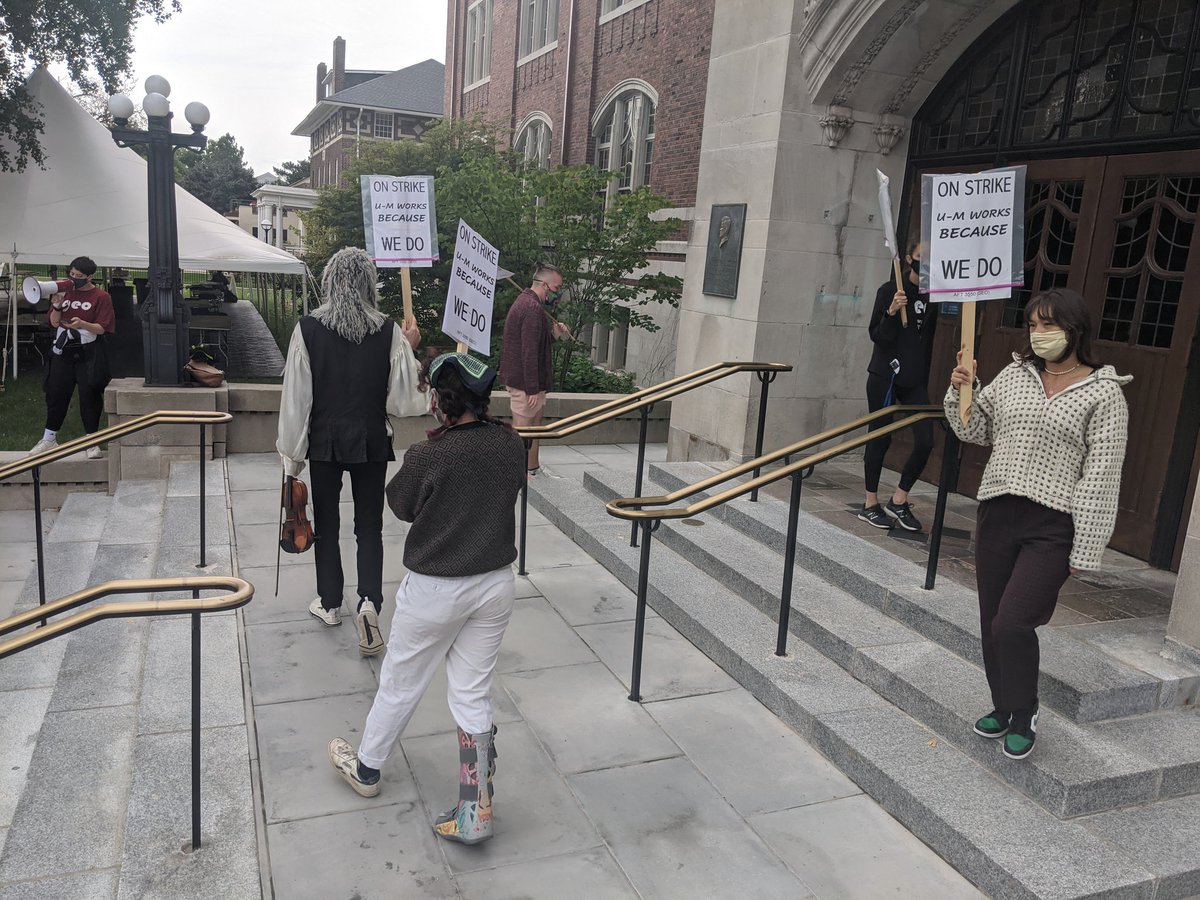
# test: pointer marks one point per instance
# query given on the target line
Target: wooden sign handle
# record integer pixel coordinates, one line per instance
(406, 283)
(461, 348)
(900, 287)
(968, 361)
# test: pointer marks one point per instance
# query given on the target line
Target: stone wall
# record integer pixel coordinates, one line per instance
(1183, 628)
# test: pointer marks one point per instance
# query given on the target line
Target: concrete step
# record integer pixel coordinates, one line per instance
(983, 826)
(1080, 683)
(113, 713)
(1077, 769)
(59, 480)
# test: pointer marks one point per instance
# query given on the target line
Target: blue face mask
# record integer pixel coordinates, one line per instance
(552, 298)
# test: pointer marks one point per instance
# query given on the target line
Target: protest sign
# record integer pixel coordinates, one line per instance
(472, 294)
(973, 228)
(400, 225)
(400, 220)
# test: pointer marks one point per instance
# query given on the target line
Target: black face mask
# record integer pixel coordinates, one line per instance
(79, 282)
(916, 267)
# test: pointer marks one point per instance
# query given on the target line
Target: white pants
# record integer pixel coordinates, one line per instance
(460, 620)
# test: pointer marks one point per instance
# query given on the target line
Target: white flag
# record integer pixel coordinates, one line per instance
(885, 213)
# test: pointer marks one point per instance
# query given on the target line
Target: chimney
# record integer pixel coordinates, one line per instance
(321, 73)
(339, 64)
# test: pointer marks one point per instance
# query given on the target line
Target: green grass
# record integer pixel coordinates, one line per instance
(23, 413)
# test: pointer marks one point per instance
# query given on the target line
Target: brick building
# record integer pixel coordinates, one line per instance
(357, 105)
(617, 84)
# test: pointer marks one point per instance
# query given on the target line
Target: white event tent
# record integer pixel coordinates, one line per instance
(90, 200)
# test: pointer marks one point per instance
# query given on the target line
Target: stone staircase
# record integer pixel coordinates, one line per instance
(884, 678)
(95, 780)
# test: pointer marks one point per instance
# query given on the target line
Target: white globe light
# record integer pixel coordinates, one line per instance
(156, 84)
(266, 224)
(156, 105)
(120, 106)
(196, 113)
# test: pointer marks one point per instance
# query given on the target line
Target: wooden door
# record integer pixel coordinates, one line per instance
(1143, 284)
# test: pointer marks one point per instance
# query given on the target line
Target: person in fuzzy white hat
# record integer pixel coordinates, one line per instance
(349, 367)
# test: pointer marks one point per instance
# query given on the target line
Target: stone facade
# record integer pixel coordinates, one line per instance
(805, 100)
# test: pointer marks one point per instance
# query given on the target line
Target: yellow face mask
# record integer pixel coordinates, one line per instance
(1049, 345)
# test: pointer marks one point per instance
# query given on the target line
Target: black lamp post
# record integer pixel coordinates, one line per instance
(165, 318)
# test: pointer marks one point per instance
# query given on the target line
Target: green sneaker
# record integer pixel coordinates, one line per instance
(1018, 743)
(993, 725)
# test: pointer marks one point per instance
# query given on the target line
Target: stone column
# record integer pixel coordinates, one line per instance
(812, 254)
(1183, 628)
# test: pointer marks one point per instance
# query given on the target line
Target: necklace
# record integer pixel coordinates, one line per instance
(1064, 371)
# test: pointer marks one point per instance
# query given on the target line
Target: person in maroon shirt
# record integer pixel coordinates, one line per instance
(525, 364)
(80, 318)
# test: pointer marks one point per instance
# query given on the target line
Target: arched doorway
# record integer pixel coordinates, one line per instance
(1101, 99)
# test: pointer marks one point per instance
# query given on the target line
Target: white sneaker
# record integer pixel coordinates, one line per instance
(94, 453)
(43, 445)
(370, 640)
(328, 616)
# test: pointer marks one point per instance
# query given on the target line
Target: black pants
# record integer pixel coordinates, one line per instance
(64, 374)
(1021, 562)
(366, 485)
(877, 389)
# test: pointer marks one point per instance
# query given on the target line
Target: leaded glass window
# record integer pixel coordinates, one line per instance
(1071, 72)
(1051, 223)
(1144, 276)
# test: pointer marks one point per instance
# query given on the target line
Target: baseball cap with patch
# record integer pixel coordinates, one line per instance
(477, 376)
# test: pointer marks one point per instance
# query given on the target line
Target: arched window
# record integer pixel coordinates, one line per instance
(1070, 73)
(533, 141)
(624, 134)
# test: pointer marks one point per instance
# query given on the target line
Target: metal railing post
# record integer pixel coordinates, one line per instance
(195, 727)
(37, 523)
(765, 378)
(524, 512)
(641, 464)
(789, 565)
(639, 623)
(946, 483)
(203, 479)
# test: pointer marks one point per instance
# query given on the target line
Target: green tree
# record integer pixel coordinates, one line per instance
(558, 215)
(220, 177)
(95, 42)
(293, 171)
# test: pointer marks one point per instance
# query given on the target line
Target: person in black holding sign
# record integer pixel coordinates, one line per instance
(348, 368)
(899, 374)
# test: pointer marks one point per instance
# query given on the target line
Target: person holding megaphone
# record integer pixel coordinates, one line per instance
(80, 317)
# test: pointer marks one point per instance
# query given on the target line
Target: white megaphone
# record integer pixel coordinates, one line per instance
(36, 291)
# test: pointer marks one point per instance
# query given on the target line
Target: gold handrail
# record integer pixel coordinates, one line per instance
(115, 432)
(624, 508)
(241, 591)
(646, 397)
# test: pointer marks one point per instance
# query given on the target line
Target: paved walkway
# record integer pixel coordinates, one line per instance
(698, 792)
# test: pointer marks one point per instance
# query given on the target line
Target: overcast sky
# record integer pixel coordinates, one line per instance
(254, 63)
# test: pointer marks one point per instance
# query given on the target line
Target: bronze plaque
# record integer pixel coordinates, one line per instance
(724, 257)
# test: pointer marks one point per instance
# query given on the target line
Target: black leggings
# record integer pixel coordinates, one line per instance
(877, 389)
(66, 372)
(366, 485)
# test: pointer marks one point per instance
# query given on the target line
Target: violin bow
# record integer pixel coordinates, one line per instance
(279, 531)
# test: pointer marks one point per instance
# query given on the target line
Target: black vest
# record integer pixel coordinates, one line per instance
(349, 384)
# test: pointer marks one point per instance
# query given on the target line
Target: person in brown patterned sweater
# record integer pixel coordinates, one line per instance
(459, 490)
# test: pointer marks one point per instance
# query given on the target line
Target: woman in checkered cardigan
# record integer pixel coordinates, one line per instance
(1056, 421)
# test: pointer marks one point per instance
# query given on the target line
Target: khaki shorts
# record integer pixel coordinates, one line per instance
(527, 406)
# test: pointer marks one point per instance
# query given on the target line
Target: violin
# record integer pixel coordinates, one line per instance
(295, 531)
